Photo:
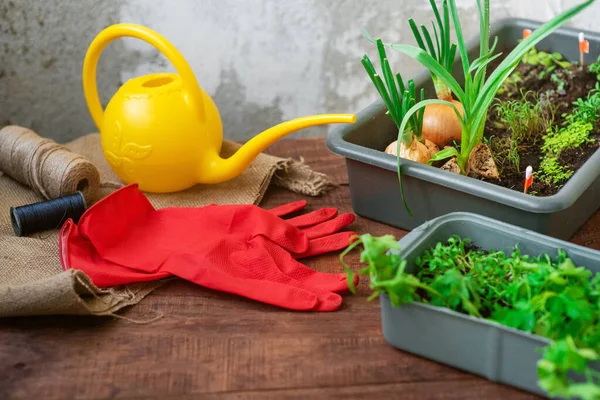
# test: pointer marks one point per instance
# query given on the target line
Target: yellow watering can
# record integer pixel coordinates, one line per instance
(162, 131)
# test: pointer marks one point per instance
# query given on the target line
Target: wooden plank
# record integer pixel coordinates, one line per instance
(214, 349)
(445, 390)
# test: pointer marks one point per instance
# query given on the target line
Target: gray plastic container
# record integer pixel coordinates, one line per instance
(431, 192)
(481, 347)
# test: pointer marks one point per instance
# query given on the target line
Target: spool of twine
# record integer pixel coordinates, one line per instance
(48, 168)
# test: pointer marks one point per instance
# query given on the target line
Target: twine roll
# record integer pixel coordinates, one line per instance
(48, 168)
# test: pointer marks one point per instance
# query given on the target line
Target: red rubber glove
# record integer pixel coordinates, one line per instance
(240, 249)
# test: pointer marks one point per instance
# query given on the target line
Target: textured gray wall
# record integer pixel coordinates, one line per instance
(262, 61)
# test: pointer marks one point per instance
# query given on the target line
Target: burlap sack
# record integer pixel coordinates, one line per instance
(31, 279)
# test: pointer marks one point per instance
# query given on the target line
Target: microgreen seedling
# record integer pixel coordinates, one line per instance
(560, 84)
(586, 111)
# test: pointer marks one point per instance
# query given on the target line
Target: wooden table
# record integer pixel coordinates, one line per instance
(213, 345)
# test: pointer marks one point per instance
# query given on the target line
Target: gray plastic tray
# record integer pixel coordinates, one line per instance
(430, 192)
(484, 348)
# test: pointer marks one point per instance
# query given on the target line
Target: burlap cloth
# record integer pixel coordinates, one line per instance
(31, 278)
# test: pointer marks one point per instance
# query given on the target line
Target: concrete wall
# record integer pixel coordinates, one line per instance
(262, 61)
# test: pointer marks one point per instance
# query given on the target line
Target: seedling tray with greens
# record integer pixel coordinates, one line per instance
(543, 115)
(493, 299)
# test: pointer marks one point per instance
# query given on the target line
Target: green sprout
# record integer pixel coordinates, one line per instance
(552, 172)
(572, 136)
(560, 84)
(526, 118)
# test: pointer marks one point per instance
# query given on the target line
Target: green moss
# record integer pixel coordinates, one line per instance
(555, 142)
(552, 172)
(569, 137)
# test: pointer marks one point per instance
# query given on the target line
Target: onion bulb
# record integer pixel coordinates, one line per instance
(440, 123)
(417, 151)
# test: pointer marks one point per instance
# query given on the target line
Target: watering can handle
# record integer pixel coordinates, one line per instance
(116, 31)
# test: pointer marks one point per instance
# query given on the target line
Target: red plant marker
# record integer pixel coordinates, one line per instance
(584, 46)
(526, 33)
(528, 178)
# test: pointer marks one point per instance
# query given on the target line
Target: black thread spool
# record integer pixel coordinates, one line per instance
(47, 215)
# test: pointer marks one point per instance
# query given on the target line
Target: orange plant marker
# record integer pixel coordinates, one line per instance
(584, 47)
(528, 179)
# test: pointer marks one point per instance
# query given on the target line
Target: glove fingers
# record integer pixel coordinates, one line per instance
(307, 277)
(268, 292)
(265, 286)
(313, 218)
(329, 227)
(263, 261)
(328, 302)
(327, 244)
(291, 295)
(323, 285)
(288, 208)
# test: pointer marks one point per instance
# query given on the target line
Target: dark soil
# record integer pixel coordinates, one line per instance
(578, 82)
(469, 246)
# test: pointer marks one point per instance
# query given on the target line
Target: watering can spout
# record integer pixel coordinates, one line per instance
(223, 169)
